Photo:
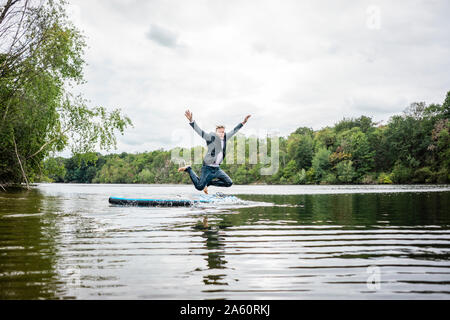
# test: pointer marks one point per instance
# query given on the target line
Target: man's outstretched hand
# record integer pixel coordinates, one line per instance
(188, 115)
(245, 120)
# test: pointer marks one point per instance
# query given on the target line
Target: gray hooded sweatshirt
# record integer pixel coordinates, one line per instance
(213, 142)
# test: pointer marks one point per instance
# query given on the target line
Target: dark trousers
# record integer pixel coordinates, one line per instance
(206, 178)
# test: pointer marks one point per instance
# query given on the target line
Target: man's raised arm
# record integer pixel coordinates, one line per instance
(194, 125)
(236, 129)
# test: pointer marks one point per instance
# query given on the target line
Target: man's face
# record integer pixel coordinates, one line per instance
(220, 132)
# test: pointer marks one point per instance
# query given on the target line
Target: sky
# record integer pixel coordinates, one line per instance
(288, 64)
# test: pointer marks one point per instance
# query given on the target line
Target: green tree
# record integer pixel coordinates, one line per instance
(442, 138)
(304, 131)
(408, 137)
(324, 138)
(301, 149)
(345, 171)
(146, 176)
(41, 57)
(321, 164)
(80, 168)
(377, 140)
(241, 175)
(402, 173)
(116, 170)
(364, 123)
(55, 169)
(290, 170)
(356, 143)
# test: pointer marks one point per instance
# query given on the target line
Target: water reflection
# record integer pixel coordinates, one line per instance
(215, 257)
(407, 209)
(27, 247)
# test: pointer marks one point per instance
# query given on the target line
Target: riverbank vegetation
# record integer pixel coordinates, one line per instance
(413, 147)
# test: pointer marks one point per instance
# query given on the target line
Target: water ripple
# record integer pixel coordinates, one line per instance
(68, 242)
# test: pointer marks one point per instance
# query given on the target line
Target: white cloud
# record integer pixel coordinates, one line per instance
(289, 64)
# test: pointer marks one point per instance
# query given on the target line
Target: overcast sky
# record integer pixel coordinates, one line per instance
(287, 63)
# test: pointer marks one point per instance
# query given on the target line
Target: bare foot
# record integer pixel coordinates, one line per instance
(183, 168)
(205, 190)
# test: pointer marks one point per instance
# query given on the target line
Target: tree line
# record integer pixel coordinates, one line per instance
(413, 147)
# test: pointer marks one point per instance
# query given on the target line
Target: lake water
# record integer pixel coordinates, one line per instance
(65, 241)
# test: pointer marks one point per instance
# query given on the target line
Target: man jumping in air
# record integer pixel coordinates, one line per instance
(217, 146)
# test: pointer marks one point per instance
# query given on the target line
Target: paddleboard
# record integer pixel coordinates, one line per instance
(154, 202)
(164, 202)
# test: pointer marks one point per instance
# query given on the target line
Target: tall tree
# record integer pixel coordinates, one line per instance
(41, 57)
(301, 149)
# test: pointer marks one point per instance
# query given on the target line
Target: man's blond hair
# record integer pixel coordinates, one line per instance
(219, 126)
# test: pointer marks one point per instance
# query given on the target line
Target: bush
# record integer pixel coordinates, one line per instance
(424, 175)
(321, 163)
(345, 171)
(443, 176)
(384, 178)
(310, 174)
(300, 177)
(146, 176)
(290, 170)
(330, 178)
(402, 174)
(369, 178)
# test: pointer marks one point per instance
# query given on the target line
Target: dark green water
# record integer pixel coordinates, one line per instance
(276, 242)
